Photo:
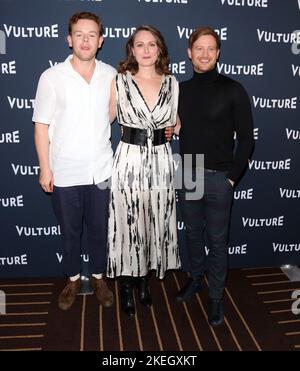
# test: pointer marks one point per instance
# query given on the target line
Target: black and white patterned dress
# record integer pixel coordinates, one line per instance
(142, 229)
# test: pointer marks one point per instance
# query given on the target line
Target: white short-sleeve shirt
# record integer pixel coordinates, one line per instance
(78, 117)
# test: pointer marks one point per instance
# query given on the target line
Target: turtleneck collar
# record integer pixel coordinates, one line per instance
(206, 77)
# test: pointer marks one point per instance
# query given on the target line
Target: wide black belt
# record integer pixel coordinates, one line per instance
(141, 136)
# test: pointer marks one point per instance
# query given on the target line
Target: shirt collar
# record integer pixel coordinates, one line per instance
(71, 70)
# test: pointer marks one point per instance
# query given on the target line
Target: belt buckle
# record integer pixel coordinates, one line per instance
(150, 134)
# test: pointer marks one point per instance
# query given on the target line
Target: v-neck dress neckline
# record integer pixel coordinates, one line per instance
(141, 95)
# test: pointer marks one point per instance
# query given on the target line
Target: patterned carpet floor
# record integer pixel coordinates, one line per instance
(258, 304)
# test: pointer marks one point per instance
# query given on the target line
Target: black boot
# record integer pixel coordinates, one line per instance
(127, 301)
(215, 312)
(143, 291)
(192, 287)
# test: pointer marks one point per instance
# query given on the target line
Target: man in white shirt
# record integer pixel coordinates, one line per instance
(72, 138)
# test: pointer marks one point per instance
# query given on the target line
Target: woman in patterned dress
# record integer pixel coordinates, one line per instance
(142, 228)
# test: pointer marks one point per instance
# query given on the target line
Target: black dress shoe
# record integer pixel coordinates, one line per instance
(215, 312)
(143, 291)
(127, 301)
(192, 287)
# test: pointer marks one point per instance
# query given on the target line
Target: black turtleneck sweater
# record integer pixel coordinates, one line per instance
(211, 108)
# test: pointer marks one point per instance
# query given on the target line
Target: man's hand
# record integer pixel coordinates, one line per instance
(169, 130)
(46, 180)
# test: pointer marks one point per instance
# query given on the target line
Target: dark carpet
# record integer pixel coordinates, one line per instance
(258, 304)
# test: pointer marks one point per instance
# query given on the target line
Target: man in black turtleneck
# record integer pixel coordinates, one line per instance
(211, 108)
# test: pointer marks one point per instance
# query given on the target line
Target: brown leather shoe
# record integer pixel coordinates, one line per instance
(103, 293)
(68, 294)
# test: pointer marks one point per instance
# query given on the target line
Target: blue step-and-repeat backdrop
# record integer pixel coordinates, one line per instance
(260, 48)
